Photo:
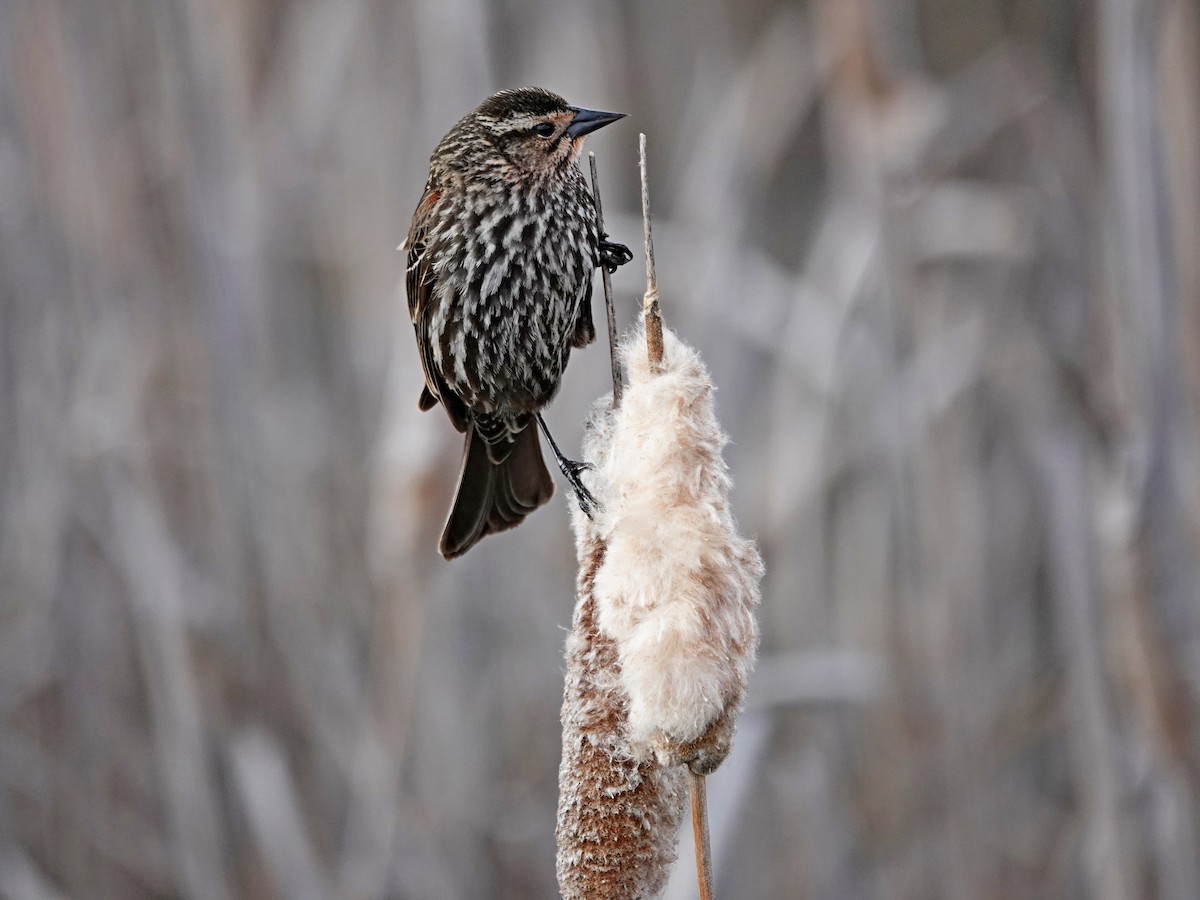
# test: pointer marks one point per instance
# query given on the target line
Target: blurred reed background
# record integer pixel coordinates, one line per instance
(942, 258)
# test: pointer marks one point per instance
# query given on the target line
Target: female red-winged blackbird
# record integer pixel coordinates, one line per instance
(500, 259)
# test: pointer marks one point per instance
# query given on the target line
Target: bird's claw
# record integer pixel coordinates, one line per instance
(588, 504)
(613, 255)
(571, 469)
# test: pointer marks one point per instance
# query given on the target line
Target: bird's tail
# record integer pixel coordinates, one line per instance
(495, 496)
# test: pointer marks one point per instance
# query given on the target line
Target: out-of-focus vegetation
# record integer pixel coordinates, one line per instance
(941, 258)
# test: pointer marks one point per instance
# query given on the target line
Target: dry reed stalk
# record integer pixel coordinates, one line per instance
(700, 838)
(650, 305)
(606, 281)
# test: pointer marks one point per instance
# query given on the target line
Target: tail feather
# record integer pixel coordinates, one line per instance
(494, 497)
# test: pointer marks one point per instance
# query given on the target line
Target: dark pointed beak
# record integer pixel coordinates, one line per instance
(588, 120)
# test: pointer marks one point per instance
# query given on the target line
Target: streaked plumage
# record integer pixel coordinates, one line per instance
(500, 257)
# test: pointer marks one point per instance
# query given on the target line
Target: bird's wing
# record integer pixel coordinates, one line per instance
(419, 283)
(418, 273)
(585, 328)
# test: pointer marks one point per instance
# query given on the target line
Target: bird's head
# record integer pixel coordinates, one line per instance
(536, 130)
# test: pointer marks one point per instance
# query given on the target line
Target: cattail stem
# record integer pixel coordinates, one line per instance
(650, 308)
(654, 350)
(704, 874)
(606, 280)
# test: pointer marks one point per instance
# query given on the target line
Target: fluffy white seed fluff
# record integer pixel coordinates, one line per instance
(678, 585)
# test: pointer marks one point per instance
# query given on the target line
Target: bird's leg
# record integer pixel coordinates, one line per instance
(613, 255)
(571, 470)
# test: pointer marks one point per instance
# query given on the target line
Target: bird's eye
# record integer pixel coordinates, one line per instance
(545, 129)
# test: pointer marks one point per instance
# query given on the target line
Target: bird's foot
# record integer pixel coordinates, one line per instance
(571, 470)
(613, 255)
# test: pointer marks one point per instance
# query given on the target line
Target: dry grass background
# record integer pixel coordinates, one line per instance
(941, 259)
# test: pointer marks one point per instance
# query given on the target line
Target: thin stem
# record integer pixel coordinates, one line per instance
(606, 280)
(650, 306)
(704, 874)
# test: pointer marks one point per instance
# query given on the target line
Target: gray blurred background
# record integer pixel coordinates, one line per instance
(943, 259)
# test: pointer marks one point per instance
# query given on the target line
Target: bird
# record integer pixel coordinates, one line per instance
(500, 256)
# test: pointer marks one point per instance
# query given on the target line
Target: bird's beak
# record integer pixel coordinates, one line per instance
(588, 120)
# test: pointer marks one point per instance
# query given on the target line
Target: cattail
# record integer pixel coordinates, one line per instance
(663, 636)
